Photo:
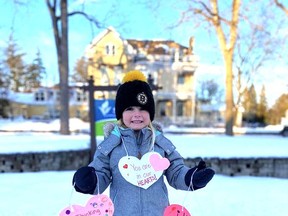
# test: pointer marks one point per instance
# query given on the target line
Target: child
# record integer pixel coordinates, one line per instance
(138, 189)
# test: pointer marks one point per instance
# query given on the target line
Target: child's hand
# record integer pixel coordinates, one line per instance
(200, 176)
(85, 180)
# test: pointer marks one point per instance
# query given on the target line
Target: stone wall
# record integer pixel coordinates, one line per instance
(43, 161)
(72, 160)
(268, 167)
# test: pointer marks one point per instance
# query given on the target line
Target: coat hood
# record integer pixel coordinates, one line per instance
(109, 127)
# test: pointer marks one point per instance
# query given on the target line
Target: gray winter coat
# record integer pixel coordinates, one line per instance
(129, 199)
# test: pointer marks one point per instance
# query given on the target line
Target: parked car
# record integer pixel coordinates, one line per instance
(284, 132)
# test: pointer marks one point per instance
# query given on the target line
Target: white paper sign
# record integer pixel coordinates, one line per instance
(144, 172)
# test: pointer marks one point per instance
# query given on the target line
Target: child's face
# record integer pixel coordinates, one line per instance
(136, 118)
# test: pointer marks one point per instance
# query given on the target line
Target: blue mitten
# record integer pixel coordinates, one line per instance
(200, 176)
(85, 180)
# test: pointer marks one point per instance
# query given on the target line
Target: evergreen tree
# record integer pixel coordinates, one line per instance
(34, 73)
(4, 104)
(253, 101)
(2, 77)
(246, 101)
(250, 105)
(14, 67)
(262, 107)
(278, 110)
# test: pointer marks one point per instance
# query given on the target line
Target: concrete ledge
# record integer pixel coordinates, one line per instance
(72, 160)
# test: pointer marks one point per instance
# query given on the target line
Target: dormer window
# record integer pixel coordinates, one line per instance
(39, 96)
(110, 49)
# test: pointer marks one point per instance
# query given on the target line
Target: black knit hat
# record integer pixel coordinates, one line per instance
(134, 91)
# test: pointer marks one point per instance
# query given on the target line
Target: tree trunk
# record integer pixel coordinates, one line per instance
(61, 41)
(227, 48)
(64, 71)
(229, 96)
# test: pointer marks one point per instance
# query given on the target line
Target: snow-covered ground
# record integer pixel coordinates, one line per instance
(46, 193)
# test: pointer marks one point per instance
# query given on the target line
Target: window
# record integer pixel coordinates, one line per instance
(85, 97)
(110, 49)
(39, 96)
(78, 114)
(180, 108)
(79, 97)
(51, 94)
(58, 96)
(180, 79)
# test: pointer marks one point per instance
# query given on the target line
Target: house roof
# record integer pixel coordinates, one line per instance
(155, 46)
(98, 38)
(21, 97)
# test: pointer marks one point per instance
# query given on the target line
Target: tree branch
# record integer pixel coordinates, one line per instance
(281, 6)
(54, 18)
(234, 23)
(90, 18)
(211, 13)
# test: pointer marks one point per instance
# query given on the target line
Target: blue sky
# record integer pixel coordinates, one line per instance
(32, 31)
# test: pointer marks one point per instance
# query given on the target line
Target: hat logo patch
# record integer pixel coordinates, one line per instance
(142, 98)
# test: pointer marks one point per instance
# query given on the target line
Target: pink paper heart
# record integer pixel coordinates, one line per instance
(158, 163)
(176, 210)
(97, 205)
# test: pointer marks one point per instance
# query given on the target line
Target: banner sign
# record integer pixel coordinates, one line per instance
(104, 112)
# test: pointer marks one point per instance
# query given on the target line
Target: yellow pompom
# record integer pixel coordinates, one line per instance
(134, 75)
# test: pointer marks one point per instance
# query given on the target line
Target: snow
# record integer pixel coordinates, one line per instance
(213, 144)
(226, 147)
(46, 193)
(20, 124)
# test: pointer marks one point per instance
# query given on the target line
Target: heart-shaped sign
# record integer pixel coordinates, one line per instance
(144, 172)
(97, 205)
(158, 163)
(176, 210)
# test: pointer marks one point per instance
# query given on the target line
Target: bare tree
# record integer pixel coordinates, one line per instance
(209, 91)
(254, 48)
(61, 42)
(59, 14)
(229, 20)
(60, 29)
(282, 6)
(227, 31)
(80, 71)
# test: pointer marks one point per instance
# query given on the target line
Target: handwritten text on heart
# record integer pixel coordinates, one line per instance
(144, 172)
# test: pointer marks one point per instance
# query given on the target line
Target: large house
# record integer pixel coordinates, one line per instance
(44, 103)
(170, 65)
